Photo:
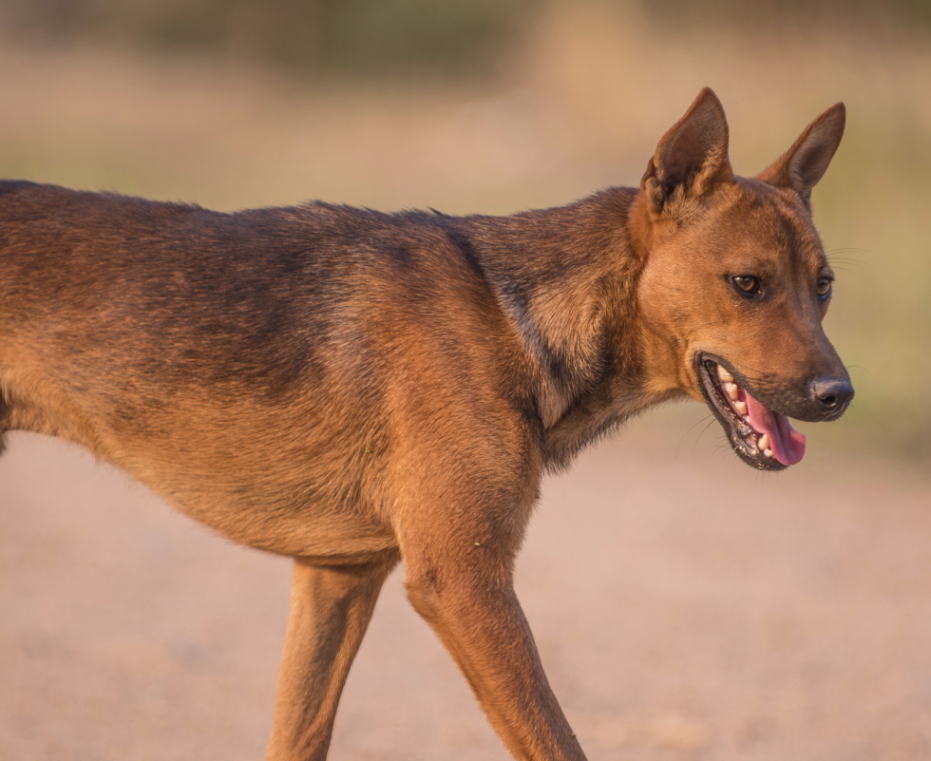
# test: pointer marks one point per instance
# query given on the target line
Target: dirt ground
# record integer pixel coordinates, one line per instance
(685, 607)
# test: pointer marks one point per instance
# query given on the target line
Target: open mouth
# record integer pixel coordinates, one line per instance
(761, 437)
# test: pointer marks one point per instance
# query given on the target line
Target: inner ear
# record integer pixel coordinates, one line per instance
(699, 144)
(804, 164)
(692, 156)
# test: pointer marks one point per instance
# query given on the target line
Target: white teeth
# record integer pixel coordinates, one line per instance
(724, 375)
(741, 408)
(731, 389)
(764, 444)
(768, 452)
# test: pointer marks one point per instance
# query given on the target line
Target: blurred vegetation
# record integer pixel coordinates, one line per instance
(378, 37)
(361, 37)
(736, 13)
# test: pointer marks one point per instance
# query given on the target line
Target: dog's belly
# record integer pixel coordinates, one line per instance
(256, 490)
(293, 511)
(298, 533)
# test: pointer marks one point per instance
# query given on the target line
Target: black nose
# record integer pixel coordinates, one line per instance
(832, 394)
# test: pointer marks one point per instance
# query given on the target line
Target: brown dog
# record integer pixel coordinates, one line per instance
(352, 388)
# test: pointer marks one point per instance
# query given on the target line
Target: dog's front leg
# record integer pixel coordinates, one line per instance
(329, 611)
(463, 587)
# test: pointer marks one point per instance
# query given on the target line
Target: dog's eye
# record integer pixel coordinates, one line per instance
(746, 284)
(824, 287)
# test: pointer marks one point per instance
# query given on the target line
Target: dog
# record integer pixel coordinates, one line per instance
(354, 389)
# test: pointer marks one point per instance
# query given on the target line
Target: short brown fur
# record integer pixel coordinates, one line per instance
(352, 388)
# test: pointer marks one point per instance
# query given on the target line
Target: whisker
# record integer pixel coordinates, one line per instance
(707, 426)
(692, 428)
(833, 258)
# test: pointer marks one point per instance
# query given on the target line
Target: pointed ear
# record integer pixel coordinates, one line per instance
(805, 163)
(691, 158)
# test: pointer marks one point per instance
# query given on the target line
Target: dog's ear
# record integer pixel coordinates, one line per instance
(690, 160)
(805, 163)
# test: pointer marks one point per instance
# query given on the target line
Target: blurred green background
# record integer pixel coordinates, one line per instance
(497, 105)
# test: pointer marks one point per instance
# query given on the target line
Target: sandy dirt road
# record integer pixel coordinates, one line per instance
(685, 607)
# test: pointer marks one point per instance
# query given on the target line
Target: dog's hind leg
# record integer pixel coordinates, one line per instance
(329, 611)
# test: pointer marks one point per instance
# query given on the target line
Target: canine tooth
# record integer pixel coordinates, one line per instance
(764, 443)
(731, 389)
(724, 375)
(768, 452)
(741, 407)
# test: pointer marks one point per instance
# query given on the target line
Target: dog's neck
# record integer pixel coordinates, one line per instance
(566, 280)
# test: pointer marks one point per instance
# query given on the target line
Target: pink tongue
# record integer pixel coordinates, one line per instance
(788, 444)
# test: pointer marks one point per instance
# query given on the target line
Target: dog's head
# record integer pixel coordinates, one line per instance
(735, 284)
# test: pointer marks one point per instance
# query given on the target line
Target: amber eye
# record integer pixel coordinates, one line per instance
(746, 284)
(824, 287)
